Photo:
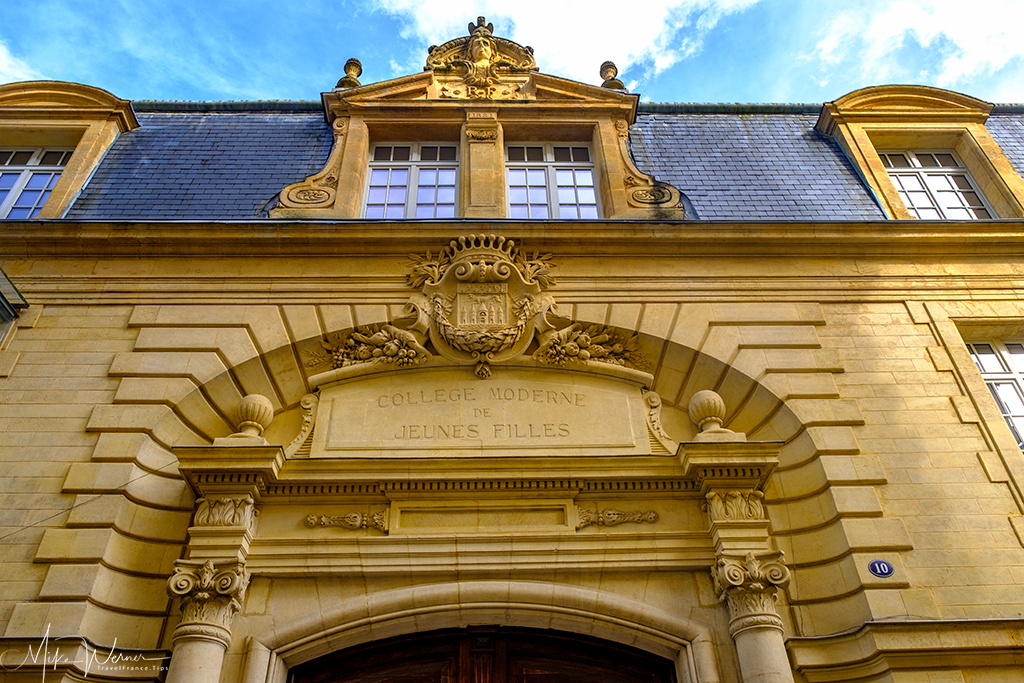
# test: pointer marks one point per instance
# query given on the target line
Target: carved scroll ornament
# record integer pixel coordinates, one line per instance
(749, 585)
(211, 594)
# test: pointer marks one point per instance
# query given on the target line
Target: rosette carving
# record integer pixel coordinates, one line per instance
(210, 595)
(749, 586)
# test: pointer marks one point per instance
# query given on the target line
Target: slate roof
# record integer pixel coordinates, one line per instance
(224, 163)
(1008, 131)
(752, 166)
(204, 165)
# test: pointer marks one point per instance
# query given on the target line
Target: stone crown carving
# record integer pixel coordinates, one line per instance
(485, 67)
(749, 585)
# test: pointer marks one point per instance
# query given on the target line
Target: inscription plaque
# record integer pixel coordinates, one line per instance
(553, 413)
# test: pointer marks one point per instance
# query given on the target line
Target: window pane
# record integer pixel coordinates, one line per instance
(517, 195)
(395, 211)
(538, 211)
(566, 195)
(517, 176)
(396, 195)
(446, 176)
(569, 211)
(1009, 398)
(37, 181)
(586, 195)
(564, 178)
(898, 161)
(425, 195)
(400, 154)
(376, 195)
(518, 211)
(517, 154)
(20, 159)
(447, 154)
(589, 211)
(536, 176)
(981, 214)
(926, 160)
(400, 176)
(446, 195)
(375, 211)
(7, 180)
(580, 154)
(563, 154)
(429, 154)
(946, 160)
(51, 158)
(382, 154)
(445, 211)
(428, 176)
(424, 211)
(379, 176)
(584, 178)
(538, 194)
(535, 154)
(20, 213)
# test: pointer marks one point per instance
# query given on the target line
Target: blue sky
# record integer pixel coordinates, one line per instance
(667, 50)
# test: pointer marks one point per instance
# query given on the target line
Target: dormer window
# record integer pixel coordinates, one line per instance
(27, 177)
(935, 185)
(551, 181)
(412, 181)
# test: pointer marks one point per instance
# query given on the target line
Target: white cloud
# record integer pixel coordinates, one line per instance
(13, 69)
(572, 37)
(962, 44)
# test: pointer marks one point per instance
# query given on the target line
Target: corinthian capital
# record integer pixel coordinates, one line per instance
(749, 585)
(210, 595)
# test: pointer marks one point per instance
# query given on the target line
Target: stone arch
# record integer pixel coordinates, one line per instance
(504, 603)
(767, 361)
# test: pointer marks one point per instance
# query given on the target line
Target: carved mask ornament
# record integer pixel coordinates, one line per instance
(484, 63)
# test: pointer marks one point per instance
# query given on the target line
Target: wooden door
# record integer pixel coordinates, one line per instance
(488, 655)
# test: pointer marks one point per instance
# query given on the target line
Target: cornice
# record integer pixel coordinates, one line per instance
(889, 239)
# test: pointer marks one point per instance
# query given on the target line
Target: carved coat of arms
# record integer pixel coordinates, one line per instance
(482, 300)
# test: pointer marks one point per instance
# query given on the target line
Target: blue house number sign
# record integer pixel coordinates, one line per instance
(881, 568)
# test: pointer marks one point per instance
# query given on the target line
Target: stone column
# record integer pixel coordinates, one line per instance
(211, 594)
(748, 585)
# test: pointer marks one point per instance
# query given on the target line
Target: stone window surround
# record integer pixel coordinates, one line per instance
(56, 114)
(402, 110)
(919, 117)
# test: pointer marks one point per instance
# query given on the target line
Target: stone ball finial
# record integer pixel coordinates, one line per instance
(255, 413)
(609, 72)
(353, 70)
(707, 410)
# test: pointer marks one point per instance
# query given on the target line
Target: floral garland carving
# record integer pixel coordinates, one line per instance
(351, 520)
(573, 344)
(614, 517)
(373, 344)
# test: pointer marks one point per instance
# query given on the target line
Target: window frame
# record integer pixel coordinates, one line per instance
(25, 172)
(414, 165)
(923, 173)
(551, 167)
(1010, 373)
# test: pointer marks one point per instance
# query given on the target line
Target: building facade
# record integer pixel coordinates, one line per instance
(482, 374)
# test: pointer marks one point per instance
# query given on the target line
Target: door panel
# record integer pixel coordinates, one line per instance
(488, 654)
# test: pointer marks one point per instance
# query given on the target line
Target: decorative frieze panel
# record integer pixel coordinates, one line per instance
(225, 512)
(351, 520)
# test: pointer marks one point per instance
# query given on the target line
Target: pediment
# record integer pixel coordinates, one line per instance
(909, 97)
(441, 89)
(53, 99)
